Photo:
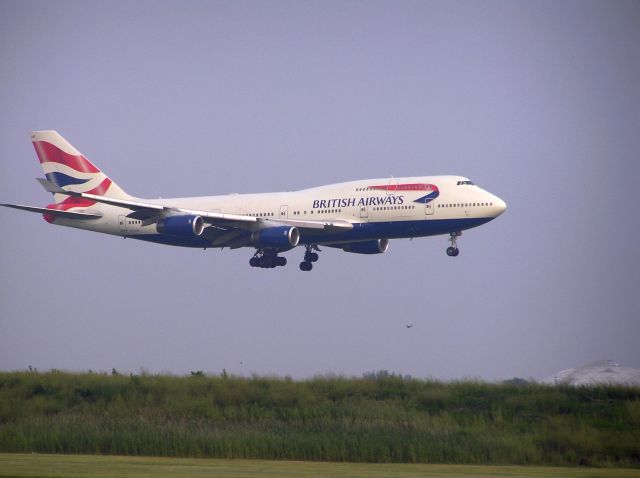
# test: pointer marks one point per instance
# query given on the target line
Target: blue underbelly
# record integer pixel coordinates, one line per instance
(360, 232)
(394, 230)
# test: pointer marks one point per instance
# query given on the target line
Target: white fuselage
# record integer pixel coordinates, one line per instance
(378, 208)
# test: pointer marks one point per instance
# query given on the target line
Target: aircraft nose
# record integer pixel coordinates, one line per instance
(499, 206)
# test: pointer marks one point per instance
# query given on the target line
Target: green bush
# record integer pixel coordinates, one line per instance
(379, 418)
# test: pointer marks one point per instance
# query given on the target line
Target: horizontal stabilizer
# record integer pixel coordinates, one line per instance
(50, 186)
(55, 212)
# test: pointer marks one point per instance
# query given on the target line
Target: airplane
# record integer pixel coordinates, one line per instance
(356, 216)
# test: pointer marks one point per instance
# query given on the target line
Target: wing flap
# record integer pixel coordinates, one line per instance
(337, 224)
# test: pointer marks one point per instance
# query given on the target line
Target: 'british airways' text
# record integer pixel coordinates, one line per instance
(347, 202)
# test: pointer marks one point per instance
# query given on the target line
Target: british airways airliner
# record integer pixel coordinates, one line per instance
(356, 216)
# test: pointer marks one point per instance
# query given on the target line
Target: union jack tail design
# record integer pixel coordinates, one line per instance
(68, 169)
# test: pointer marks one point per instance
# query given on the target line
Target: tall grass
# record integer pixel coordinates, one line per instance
(380, 418)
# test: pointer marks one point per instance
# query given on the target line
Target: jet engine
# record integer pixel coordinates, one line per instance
(279, 237)
(184, 225)
(377, 246)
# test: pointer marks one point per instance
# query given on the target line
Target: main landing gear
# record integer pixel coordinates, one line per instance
(309, 258)
(453, 251)
(267, 259)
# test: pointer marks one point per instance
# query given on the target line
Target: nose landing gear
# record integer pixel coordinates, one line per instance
(309, 258)
(453, 251)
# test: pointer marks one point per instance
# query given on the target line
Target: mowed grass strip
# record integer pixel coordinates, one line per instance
(88, 466)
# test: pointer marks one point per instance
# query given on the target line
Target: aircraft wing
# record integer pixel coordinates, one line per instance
(150, 213)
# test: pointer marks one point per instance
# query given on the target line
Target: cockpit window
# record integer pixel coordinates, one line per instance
(460, 183)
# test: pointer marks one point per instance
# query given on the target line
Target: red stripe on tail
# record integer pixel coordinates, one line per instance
(48, 153)
(71, 202)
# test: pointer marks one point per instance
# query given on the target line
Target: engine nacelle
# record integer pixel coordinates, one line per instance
(280, 237)
(377, 246)
(181, 225)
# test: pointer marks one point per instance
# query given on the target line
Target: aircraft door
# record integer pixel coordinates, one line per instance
(122, 224)
(428, 208)
(364, 211)
(284, 212)
(392, 186)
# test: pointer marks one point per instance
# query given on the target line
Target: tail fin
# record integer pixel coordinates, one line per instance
(67, 168)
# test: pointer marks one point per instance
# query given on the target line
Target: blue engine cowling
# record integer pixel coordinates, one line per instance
(280, 237)
(377, 246)
(181, 225)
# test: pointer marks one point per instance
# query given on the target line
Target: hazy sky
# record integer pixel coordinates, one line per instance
(537, 102)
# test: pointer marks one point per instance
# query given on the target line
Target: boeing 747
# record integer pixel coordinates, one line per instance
(356, 216)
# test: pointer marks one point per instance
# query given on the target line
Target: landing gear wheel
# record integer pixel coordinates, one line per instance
(306, 266)
(267, 259)
(310, 256)
(453, 251)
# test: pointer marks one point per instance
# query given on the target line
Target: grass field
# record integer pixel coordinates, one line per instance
(87, 466)
(380, 418)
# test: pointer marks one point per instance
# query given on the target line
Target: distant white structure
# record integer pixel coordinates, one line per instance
(604, 372)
